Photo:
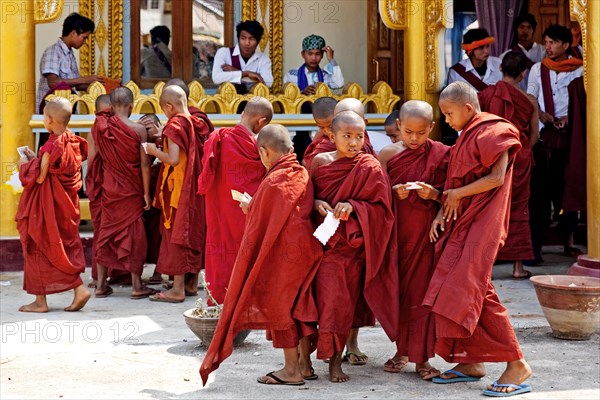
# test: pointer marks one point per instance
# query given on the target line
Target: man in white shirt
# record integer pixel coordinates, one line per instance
(309, 73)
(244, 65)
(524, 28)
(549, 83)
(479, 69)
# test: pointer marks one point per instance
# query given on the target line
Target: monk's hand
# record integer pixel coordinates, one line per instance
(438, 224)
(151, 149)
(427, 192)
(253, 75)
(228, 68)
(244, 206)
(546, 118)
(561, 123)
(322, 207)
(451, 204)
(154, 130)
(148, 202)
(29, 154)
(21, 161)
(309, 90)
(401, 191)
(342, 211)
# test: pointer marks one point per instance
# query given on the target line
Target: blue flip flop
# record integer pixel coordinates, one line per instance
(519, 389)
(460, 377)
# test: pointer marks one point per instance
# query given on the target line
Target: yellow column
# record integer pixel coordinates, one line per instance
(593, 128)
(17, 92)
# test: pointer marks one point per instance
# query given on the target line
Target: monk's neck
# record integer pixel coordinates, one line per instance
(511, 81)
(249, 128)
(59, 130)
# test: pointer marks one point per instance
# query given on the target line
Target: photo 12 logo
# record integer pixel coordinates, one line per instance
(69, 332)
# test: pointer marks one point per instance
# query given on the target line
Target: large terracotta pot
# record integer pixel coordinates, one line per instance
(585, 266)
(204, 328)
(571, 304)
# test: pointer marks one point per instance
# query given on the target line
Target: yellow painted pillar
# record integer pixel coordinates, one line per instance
(593, 128)
(414, 46)
(17, 92)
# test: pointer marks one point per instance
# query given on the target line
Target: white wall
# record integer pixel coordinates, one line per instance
(343, 24)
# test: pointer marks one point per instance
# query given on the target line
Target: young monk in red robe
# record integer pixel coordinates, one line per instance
(48, 213)
(196, 112)
(355, 272)
(415, 158)
(120, 240)
(322, 111)
(271, 283)
(355, 105)
(472, 327)
(93, 177)
(231, 162)
(506, 100)
(183, 223)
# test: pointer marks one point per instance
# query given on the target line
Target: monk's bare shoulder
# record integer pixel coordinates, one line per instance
(389, 151)
(320, 160)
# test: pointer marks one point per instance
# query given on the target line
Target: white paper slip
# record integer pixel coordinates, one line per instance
(412, 186)
(241, 197)
(21, 150)
(144, 146)
(326, 230)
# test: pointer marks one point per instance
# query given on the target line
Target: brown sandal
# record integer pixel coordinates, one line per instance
(394, 366)
(428, 374)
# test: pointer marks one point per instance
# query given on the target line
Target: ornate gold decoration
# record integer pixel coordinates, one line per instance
(276, 46)
(578, 10)
(394, 13)
(47, 10)
(226, 100)
(248, 10)
(86, 52)
(434, 21)
(115, 49)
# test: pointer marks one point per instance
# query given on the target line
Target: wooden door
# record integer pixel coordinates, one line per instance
(385, 52)
(548, 12)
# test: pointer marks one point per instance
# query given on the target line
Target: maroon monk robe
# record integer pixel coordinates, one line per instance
(152, 217)
(230, 162)
(48, 217)
(414, 216)
(93, 182)
(120, 238)
(196, 112)
(471, 324)
(271, 282)
(360, 258)
(183, 223)
(510, 103)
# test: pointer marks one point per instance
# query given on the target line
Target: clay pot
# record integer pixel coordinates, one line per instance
(571, 304)
(204, 328)
(585, 266)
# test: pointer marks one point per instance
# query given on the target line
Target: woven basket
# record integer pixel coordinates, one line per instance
(204, 328)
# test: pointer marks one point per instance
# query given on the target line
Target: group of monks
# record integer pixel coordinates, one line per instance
(420, 226)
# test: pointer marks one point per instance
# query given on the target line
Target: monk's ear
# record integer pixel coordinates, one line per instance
(431, 126)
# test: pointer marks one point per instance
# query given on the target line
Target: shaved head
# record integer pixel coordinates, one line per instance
(347, 118)
(350, 104)
(461, 93)
(391, 119)
(416, 109)
(324, 107)
(259, 107)
(173, 95)
(59, 109)
(102, 102)
(275, 137)
(121, 96)
(180, 83)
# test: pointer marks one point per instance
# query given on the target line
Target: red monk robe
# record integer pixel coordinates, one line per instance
(322, 144)
(120, 238)
(230, 162)
(414, 216)
(93, 182)
(48, 217)
(183, 223)
(471, 324)
(271, 283)
(510, 103)
(196, 112)
(356, 270)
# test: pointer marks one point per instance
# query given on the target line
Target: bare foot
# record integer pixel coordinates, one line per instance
(475, 370)
(36, 306)
(80, 298)
(142, 293)
(395, 364)
(516, 373)
(336, 374)
(284, 376)
(426, 371)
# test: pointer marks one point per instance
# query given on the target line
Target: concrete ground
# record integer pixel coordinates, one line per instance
(137, 349)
